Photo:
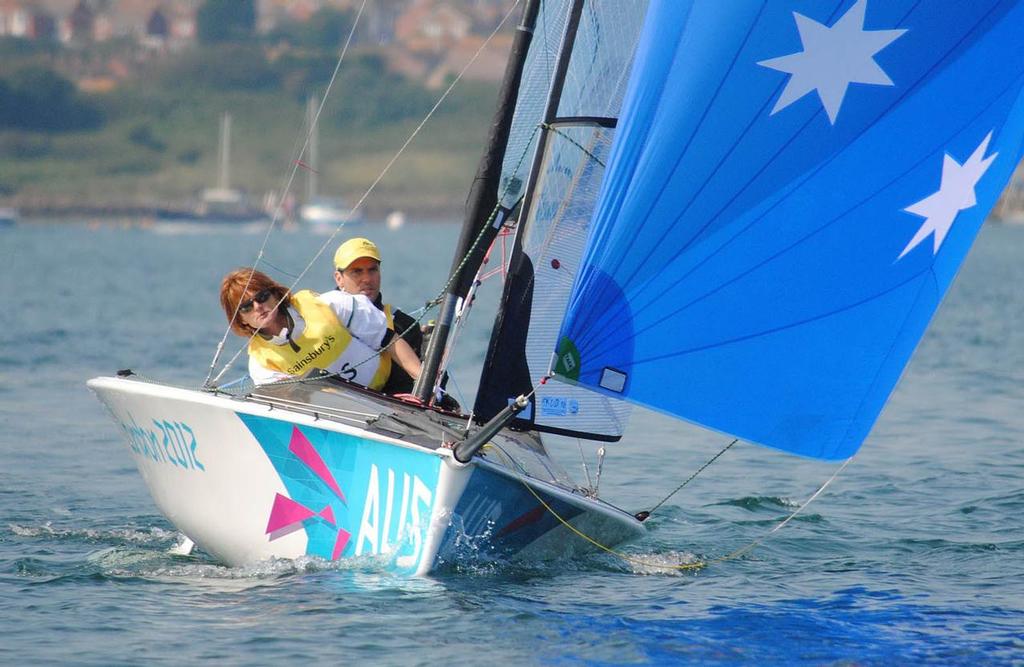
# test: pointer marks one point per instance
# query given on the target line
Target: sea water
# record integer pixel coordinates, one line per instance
(915, 552)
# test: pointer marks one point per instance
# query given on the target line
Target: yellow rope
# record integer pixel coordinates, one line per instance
(699, 565)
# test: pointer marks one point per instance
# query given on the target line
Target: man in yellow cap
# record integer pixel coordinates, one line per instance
(357, 271)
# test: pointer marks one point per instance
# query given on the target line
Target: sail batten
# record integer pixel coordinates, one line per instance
(587, 85)
(777, 225)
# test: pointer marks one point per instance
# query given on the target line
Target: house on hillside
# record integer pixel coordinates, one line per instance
(80, 24)
(440, 37)
(28, 20)
(272, 13)
(488, 66)
(154, 24)
(430, 26)
(160, 23)
(14, 19)
(42, 26)
(47, 19)
(158, 26)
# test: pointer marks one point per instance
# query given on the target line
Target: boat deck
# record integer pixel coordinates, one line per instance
(519, 452)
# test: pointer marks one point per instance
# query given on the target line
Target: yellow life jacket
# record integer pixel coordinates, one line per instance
(325, 344)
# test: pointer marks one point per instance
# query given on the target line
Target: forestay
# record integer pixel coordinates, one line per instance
(559, 181)
(789, 196)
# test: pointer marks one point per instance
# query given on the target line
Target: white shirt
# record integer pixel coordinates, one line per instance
(356, 312)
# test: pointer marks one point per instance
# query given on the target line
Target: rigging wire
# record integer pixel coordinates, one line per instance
(423, 311)
(643, 516)
(366, 193)
(554, 130)
(280, 201)
(698, 565)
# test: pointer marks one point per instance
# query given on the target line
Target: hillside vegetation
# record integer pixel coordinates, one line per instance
(154, 139)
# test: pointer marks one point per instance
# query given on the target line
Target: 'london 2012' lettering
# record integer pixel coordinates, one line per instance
(173, 443)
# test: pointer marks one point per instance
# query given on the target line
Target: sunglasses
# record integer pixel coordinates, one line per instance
(259, 297)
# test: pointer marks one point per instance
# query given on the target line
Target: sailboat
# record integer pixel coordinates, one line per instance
(738, 214)
(222, 203)
(321, 211)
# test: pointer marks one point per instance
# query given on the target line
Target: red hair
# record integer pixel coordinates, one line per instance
(240, 283)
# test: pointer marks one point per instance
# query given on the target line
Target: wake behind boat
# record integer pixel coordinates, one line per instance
(710, 221)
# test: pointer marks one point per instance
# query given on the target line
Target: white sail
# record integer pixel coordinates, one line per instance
(561, 194)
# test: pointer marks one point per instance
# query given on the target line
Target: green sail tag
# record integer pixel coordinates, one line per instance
(567, 360)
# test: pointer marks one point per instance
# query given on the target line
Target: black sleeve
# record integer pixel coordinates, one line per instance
(409, 329)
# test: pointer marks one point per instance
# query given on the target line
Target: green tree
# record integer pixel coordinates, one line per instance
(367, 94)
(331, 27)
(37, 98)
(326, 30)
(222, 67)
(225, 20)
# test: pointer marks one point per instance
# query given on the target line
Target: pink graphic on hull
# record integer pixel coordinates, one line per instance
(339, 544)
(286, 512)
(304, 450)
(287, 515)
(328, 514)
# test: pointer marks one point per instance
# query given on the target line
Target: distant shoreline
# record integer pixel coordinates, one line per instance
(141, 214)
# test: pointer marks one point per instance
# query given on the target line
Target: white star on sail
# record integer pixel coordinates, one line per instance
(955, 194)
(832, 59)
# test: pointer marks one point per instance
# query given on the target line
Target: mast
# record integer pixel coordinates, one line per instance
(550, 115)
(511, 323)
(223, 176)
(483, 198)
(314, 148)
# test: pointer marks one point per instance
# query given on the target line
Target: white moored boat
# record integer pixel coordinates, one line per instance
(319, 211)
(328, 212)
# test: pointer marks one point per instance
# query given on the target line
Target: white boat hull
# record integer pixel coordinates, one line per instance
(248, 481)
(322, 215)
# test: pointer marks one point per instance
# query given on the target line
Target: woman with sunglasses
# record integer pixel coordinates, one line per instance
(292, 334)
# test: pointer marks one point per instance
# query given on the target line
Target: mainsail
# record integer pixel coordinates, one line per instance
(573, 84)
(789, 196)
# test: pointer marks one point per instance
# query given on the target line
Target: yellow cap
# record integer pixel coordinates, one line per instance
(353, 249)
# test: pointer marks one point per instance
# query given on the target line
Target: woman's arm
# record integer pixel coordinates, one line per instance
(260, 374)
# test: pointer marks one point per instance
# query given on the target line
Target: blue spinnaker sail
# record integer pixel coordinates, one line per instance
(792, 189)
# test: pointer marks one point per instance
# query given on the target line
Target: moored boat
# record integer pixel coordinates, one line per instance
(320, 211)
(8, 216)
(220, 205)
(328, 212)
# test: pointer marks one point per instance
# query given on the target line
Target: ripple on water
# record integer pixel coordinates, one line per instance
(757, 503)
(914, 555)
